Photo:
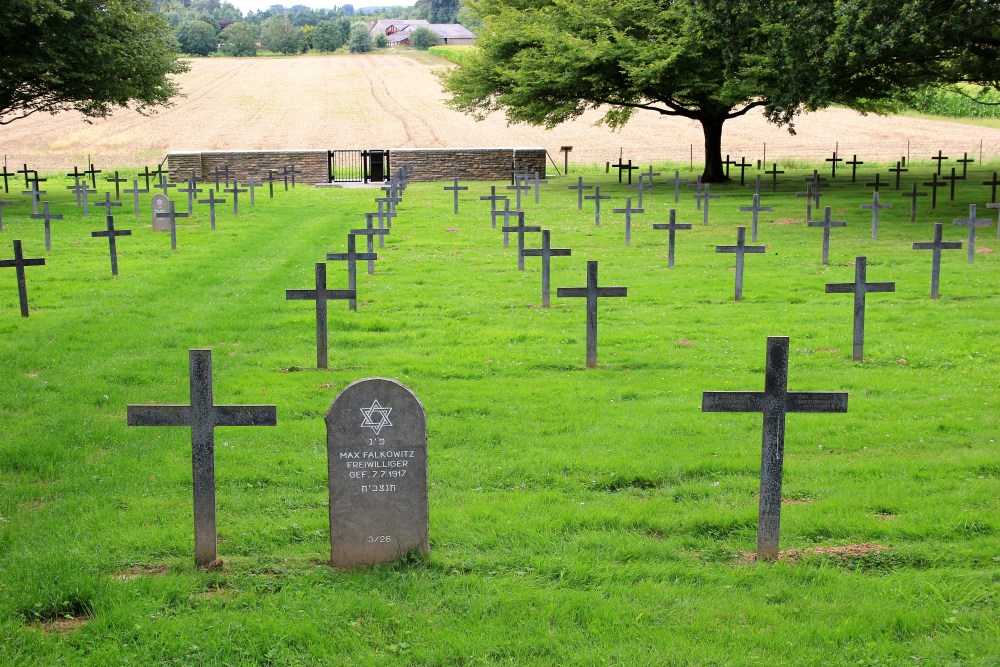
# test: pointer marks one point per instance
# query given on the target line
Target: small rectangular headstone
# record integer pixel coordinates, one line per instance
(160, 206)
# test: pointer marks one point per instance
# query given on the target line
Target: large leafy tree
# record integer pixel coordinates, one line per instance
(278, 34)
(548, 61)
(198, 38)
(90, 56)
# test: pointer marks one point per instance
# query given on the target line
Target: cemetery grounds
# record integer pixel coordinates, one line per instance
(577, 516)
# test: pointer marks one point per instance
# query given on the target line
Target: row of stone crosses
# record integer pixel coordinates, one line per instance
(377, 433)
(164, 212)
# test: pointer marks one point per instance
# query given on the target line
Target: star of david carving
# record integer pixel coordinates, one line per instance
(376, 417)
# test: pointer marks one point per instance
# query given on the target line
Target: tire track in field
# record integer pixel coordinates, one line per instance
(391, 102)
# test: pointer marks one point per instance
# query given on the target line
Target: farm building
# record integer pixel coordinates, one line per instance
(398, 31)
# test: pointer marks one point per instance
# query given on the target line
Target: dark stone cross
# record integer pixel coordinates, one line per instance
(706, 196)
(135, 192)
(677, 181)
(726, 163)
(993, 184)
(76, 189)
(937, 245)
(827, 224)
(774, 176)
(520, 229)
(212, 201)
(507, 213)
(625, 167)
(741, 248)
(203, 416)
(35, 194)
(92, 172)
(351, 257)
(913, 194)
(698, 187)
(755, 210)
(972, 222)
(455, 188)
(145, 173)
(546, 252)
(292, 170)
(898, 170)
(47, 217)
(954, 178)
(165, 185)
(649, 177)
(117, 180)
(192, 190)
(5, 175)
(833, 164)
(321, 295)
(236, 190)
(628, 211)
(270, 183)
(580, 187)
(519, 187)
(934, 185)
(877, 183)
(940, 160)
(19, 262)
(598, 198)
(965, 162)
(743, 166)
(592, 292)
(859, 288)
(493, 199)
(672, 227)
(27, 174)
(854, 162)
(171, 216)
(370, 233)
(107, 204)
(221, 171)
(774, 402)
(112, 233)
(875, 207)
(76, 174)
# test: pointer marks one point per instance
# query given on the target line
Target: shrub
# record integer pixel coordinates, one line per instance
(424, 38)
(360, 40)
(239, 39)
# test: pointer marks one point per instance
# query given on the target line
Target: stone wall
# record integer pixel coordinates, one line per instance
(423, 164)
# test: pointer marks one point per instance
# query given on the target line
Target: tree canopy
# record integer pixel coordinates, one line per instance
(547, 61)
(85, 56)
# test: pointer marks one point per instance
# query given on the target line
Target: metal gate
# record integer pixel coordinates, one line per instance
(358, 166)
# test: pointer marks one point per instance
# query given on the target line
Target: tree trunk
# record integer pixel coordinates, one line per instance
(714, 171)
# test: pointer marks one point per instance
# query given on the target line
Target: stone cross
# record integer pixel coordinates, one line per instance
(640, 185)
(706, 196)
(774, 402)
(160, 172)
(855, 163)
(145, 173)
(937, 245)
(859, 288)
(84, 197)
(351, 257)
(546, 252)
(972, 222)
(191, 191)
(455, 188)
(47, 217)
(93, 175)
(913, 194)
(252, 186)
(519, 187)
(321, 295)
(27, 174)
(579, 187)
(875, 207)
(370, 233)
(520, 229)
(774, 176)
(2, 204)
(165, 185)
(493, 199)
(377, 470)
(827, 224)
(741, 248)
(755, 210)
(628, 211)
(726, 163)
(19, 262)
(954, 178)
(76, 190)
(35, 194)
(591, 292)
(756, 185)
(677, 181)
(171, 216)
(202, 416)
(370, 221)
(537, 182)
(743, 166)
(270, 183)
(993, 184)
(598, 198)
(112, 233)
(212, 201)
(236, 190)
(221, 171)
(385, 213)
(897, 170)
(833, 164)
(5, 175)
(934, 185)
(135, 192)
(649, 178)
(625, 167)
(117, 180)
(507, 213)
(965, 161)
(877, 183)
(940, 160)
(672, 227)
(698, 188)
(107, 204)
(292, 170)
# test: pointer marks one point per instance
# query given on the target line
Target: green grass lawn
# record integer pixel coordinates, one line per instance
(576, 516)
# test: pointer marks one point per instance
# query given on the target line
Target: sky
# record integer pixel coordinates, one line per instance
(254, 5)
